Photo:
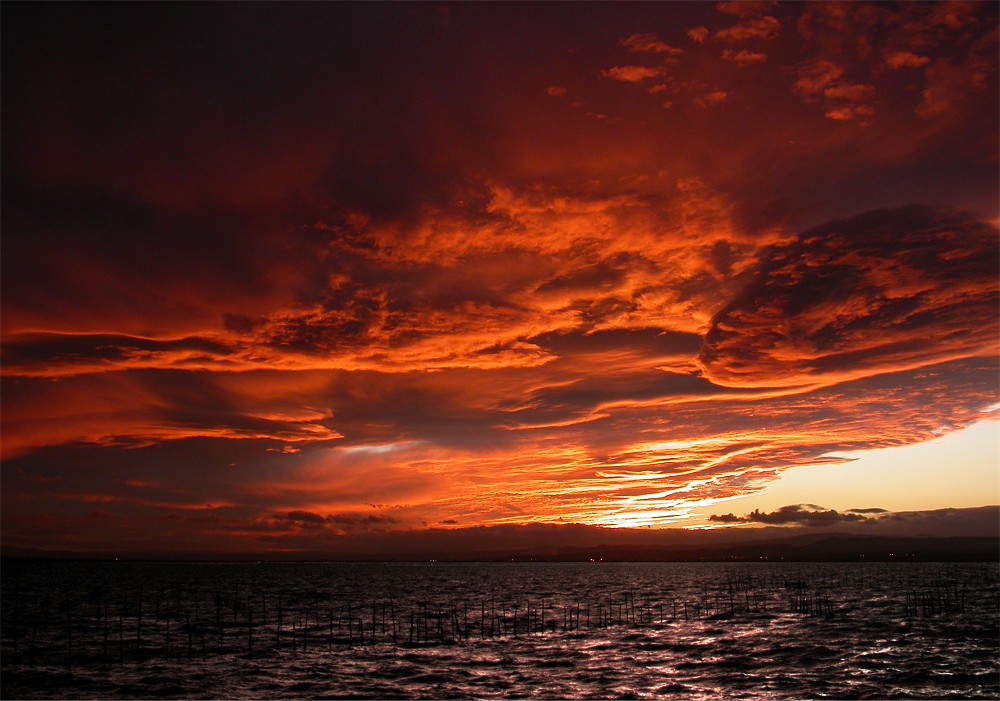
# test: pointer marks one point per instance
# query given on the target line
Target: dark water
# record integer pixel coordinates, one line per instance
(541, 630)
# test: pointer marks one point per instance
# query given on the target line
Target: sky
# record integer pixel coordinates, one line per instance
(279, 276)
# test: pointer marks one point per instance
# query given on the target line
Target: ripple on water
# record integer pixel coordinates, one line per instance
(868, 649)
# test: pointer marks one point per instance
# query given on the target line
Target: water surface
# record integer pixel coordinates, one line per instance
(541, 630)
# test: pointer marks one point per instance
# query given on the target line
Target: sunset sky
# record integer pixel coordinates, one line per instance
(277, 276)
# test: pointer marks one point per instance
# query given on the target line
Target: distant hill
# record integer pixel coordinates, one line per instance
(971, 534)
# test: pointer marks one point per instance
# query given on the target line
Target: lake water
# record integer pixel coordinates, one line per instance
(486, 630)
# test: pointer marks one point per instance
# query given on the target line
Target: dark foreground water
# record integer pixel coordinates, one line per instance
(541, 630)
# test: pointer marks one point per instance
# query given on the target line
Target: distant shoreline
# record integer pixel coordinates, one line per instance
(833, 549)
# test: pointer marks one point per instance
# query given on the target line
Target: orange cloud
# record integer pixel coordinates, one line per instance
(632, 74)
(648, 43)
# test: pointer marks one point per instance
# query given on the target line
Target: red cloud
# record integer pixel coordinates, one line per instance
(746, 8)
(905, 59)
(716, 97)
(743, 57)
(950, 85)
(821, 81)
(764, 28)
(816, 77)
(848, 112)
(698, 34)
(851, 92)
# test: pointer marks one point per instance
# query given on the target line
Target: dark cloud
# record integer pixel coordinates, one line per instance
(795, 514)
(648, 342)
(342, 522)
(304, 517)
(882, 291)
(584, 280)
(53, 354)
(360, 520)
(104, 256)
(944, 522)
(648, 43)
(941, 522)
(581, 396)
(143, 407)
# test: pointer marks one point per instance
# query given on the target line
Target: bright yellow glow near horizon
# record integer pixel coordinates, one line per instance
(960, 469)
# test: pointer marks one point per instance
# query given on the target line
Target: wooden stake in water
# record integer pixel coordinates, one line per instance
(427, 635)
(17, 608)
(249, 628)
(218, 619)
(104, 613)
(138, 627)
(69, 631)
(277, 631)
(34, 625)
(392, 612)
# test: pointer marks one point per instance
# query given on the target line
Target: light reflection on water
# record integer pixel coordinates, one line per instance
(759, 646)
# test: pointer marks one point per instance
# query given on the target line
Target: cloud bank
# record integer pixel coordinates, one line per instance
(477, 274)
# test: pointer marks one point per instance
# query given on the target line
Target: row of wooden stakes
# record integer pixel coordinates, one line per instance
(264, 627)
